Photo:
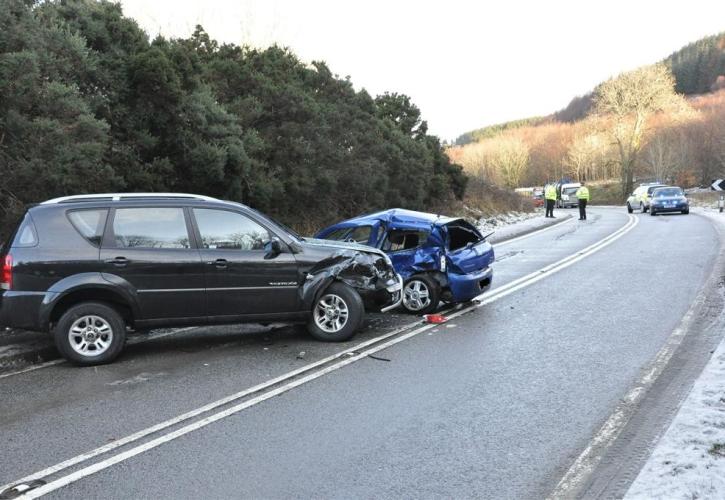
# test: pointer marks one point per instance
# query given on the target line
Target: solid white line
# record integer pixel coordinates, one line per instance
(104, 464)
(132, 341)
(532, 233)
(576, 475)
(33, 368)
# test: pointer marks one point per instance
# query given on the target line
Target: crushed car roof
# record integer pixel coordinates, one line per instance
(399, 216)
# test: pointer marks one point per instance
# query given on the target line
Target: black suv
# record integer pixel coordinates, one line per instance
(87, 268)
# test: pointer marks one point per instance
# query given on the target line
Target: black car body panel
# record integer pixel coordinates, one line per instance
(190, 282)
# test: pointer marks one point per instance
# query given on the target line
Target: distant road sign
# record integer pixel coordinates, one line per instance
(718, 185)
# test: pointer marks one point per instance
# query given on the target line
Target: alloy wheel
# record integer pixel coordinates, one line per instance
(416, 295)
(90, 335)
(331, 313)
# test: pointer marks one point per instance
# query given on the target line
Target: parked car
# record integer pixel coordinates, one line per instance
(669, 199)
(86, 268)
(567, 195)
(440, 258)
(640, 197)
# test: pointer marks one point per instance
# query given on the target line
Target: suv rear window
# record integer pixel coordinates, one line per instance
(90, 223)
(145, 228)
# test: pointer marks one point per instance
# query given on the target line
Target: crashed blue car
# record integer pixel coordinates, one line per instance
(440, 258)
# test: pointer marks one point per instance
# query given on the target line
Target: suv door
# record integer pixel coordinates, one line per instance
(243, 276)
(149, 249)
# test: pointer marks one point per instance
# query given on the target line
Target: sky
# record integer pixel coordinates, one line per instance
(465, 64)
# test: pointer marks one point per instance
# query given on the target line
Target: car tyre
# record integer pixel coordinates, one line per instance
(642, 208)
(629, 208)
(652, 212)
(337, 314)
(90, 333)
(421, 295)
(686, 211)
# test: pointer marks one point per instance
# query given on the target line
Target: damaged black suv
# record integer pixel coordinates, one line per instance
(87, 268)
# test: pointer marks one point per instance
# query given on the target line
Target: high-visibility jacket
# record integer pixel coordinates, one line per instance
(550, 192)
(583, 193)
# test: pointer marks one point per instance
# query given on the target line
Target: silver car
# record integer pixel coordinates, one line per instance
(640, 197)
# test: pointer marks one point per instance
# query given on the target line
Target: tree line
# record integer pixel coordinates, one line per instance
(89, 104)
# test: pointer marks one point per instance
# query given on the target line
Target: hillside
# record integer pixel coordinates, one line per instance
(698, 68)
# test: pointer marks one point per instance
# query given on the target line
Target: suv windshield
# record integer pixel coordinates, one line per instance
(571, 190)
(661, 193)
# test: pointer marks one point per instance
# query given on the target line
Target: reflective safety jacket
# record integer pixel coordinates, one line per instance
(550, 193)
(583, 193)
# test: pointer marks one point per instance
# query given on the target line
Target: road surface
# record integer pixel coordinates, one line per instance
(497, 403)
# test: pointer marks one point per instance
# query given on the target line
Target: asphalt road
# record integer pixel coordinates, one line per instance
(497, 403)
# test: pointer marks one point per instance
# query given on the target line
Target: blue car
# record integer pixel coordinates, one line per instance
(669, 199)
(440, 258)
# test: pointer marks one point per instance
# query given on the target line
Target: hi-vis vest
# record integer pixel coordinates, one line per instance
(583, 193)
(550, 193)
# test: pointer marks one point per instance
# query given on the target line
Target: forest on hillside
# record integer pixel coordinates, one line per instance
(89, 104)
(664, 122)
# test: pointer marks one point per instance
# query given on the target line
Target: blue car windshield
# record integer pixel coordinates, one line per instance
(662, 193)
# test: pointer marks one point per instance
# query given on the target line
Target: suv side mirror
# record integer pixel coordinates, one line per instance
(272, 248)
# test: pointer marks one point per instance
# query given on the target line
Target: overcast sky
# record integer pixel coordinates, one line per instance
(464, 63)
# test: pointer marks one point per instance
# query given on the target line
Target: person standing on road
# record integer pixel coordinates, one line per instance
(582, 195)
(550, 195)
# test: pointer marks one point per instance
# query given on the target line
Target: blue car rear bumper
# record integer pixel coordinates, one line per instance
(465, 287)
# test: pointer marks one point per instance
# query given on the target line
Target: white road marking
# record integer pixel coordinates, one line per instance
(571, 483)
(33, 368)
(132, 341)
(585, 463)
(345, 358)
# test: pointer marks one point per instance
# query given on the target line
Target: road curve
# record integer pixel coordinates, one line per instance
(497, 403)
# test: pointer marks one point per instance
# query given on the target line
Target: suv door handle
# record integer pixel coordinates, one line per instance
(118, 261)
(219, 263)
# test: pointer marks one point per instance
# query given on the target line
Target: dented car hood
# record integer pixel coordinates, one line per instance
(358, 266)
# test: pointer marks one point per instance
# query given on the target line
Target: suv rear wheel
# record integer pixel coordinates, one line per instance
(90, 333)
(337, 314)
(421, 295)
(629, 208)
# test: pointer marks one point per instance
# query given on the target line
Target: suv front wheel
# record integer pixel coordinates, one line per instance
(90, 333)
(336, 314)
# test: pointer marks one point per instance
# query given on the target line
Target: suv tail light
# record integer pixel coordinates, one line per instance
(6, 274)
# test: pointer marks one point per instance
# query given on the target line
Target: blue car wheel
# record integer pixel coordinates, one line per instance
(421, 295)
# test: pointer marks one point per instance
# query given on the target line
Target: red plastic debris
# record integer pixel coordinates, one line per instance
(435, 319)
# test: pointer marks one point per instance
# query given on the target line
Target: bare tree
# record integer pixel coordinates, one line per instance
(510, 160)
(630, 99)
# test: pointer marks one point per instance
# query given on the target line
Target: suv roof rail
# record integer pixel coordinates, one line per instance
(126, 196)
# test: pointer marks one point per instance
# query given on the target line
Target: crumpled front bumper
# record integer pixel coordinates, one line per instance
(396, 294)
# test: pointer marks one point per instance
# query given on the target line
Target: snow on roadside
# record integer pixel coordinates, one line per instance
(689, 460)
(487, 224)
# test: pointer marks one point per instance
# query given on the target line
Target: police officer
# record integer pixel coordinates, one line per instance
(582, 195)
(550, 195)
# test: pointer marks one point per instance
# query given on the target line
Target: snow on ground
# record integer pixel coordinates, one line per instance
(488, 224)
(689, 460)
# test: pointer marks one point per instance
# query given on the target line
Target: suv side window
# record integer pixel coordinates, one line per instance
(26, 235)
(90, 223)
(150, 228)
(225, 230)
